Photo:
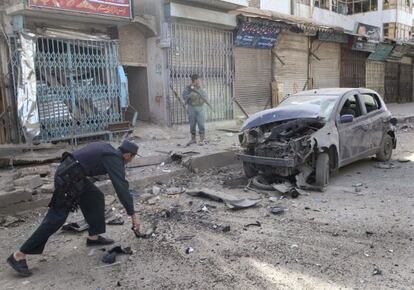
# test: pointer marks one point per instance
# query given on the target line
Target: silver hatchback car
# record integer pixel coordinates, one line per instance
(316, 132)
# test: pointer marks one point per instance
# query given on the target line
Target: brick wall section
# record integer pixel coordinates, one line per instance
(254, 3)
(132, 45)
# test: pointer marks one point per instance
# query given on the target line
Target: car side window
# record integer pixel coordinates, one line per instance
(351, 107)
(371, 102)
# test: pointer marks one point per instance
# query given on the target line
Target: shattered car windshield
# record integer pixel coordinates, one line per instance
(318, 103)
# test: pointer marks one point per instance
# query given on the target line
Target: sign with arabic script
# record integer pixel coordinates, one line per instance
(120, 8)
(256, 35)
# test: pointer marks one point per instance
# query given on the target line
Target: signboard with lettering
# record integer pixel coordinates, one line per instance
(256, 35)
(120, 8)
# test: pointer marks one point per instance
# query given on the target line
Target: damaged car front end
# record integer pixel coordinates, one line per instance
(279, 148)
(283, 141)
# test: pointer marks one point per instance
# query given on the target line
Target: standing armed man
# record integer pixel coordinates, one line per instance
(73, 190)
(195, 97)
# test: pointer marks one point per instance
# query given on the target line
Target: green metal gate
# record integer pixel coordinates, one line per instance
(77, 84)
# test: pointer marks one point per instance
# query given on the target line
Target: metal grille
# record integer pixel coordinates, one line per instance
(391, 82)
(78, 88)
(207, 52)
(406, 83)
(353, 68)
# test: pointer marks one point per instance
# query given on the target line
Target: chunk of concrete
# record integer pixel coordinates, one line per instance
(30, 181)
(42, 170)
(15, 196)
(46, 188)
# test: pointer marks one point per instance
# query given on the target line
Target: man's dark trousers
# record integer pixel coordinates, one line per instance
(92, 205)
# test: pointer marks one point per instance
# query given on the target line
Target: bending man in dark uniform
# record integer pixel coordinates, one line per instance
(73, 190)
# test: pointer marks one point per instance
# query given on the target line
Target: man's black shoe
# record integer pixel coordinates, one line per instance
(101, 241)
(20, 266)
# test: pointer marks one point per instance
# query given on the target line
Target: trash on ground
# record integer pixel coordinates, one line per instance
(148, 233)
(377, 271)
(110, 256)
(185, 238)
(384, 165)
(175, 190)
(189, 250)
(277, 210)
(231, 201)
(9, 221)
(226, 229)
(256, 224)
(403, 160)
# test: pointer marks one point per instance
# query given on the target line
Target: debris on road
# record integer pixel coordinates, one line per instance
(226, 229)
(175, 190)
(110, 256)
(384, 165)
(189, 250)
(148, 233)
(8, 221)
(231, 202)
(377, 271)
(277, 210)
(403, 160)
(256, 224)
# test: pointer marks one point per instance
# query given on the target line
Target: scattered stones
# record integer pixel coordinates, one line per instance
(226, 229)
(156, 190)
(189, 250)
(47, 188)
(8, 221)
(377, 271)
(277, 210)
(154, 200)
(175, 190)
(30, 181)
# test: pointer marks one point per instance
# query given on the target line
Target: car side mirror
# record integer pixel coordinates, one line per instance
(347, 119)
(394, 121)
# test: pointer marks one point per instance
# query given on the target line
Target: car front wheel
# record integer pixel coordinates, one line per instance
(322, 169)
(249, 170)
(385, 152)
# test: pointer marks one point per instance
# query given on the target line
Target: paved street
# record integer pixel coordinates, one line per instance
(339, 239)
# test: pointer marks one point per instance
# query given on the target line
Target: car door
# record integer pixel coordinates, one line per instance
(352, 141)
(374, 119)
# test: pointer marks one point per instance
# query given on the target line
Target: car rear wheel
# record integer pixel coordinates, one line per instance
(385, 152)
(249, 170)
(322, 170)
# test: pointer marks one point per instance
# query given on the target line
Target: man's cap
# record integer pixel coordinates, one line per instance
(129, 147)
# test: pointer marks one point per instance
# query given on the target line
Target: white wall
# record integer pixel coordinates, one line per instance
(282, 6)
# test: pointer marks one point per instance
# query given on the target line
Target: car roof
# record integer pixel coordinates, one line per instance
(334, 91)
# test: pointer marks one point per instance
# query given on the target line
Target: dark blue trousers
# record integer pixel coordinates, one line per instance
(92, 205)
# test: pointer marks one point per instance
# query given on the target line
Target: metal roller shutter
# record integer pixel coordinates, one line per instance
(391, 82)
(291, 75)
(353, 68)
(375, 76)
(325, 71)
(253, 79)
(406, 83)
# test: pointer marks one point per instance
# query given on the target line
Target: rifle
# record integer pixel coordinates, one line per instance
(178, 98)
(203, 98)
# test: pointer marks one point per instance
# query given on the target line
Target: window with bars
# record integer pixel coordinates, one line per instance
(324, 4)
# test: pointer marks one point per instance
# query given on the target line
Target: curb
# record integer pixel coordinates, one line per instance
(194, 164)
(405, 119)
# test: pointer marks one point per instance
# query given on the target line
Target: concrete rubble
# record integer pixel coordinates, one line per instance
(190, 237)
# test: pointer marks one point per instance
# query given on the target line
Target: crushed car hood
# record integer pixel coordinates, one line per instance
(281, 114)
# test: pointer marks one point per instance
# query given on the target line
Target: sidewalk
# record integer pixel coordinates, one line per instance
(403, 112)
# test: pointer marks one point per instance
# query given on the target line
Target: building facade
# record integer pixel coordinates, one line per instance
(68, 62)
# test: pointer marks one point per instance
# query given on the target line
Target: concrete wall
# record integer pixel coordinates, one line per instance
(282, 6)
(132, 45)
(156, 75)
